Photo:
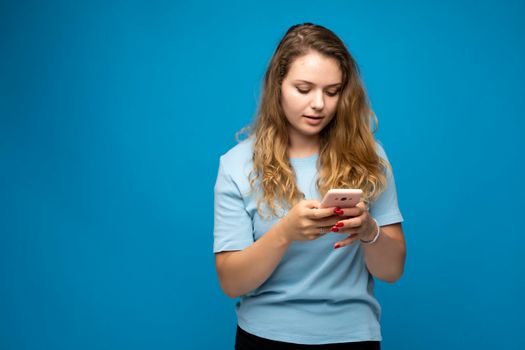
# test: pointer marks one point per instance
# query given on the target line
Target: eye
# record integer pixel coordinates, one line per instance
(332, 93)
(303, 91)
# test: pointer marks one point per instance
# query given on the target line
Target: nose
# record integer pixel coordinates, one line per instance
(318, 101)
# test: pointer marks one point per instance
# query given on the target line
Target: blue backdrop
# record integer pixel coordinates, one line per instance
(113, 118)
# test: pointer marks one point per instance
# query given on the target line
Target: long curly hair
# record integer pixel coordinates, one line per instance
(347, 150)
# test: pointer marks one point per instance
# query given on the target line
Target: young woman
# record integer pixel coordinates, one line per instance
(304, 274)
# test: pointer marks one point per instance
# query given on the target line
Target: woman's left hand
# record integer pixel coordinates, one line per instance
(357, 223)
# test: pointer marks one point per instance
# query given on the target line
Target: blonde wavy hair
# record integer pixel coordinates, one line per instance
(347, 150)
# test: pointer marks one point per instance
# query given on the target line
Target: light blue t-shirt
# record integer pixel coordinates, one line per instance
(316, 295)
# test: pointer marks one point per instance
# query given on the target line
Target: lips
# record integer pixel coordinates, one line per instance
(313, 117)
(313, 120)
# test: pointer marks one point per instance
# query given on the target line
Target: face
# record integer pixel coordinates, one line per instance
(309, 94)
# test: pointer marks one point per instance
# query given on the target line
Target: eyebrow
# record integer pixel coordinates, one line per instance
(309, 82)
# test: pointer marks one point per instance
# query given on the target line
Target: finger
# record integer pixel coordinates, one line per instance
(345, 231)
(354, 222)
(346, 242)
(321, 229)
(315, 228)
(315, 233)
(312, 203)
(362, 205)
(320, 213)
(342, 226)
(313, 236)
(336, 225)
(352, 212)
(329, 222)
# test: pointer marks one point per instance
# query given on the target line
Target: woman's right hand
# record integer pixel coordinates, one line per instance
(306, 221)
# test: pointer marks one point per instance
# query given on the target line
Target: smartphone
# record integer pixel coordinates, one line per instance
(341, 197)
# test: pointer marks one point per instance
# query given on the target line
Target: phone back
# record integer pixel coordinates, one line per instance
(341, 197)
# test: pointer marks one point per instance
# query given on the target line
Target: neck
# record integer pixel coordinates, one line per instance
(301, 146)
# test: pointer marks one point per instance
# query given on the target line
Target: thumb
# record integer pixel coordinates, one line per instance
(311, 203)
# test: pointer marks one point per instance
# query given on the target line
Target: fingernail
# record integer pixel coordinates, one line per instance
(339, 212)
(334, 229)
(337, 209)
(337, 245)
(339, 224)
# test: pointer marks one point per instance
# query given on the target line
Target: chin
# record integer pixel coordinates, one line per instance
(312, 133)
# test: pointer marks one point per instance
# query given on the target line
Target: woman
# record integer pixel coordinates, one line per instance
(304, 273)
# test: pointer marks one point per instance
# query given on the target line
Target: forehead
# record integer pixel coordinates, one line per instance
(315, 68)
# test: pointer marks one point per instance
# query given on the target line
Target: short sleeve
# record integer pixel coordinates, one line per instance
(233, 228)
(385, 208)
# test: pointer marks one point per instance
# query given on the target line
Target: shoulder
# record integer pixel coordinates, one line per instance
(380, 150)
(240, 153)
(238, 156)
(237, 163)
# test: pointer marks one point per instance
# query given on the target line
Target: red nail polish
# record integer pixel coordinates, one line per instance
(337, 210)
(334, 229)
(339, 224)
(337, 246)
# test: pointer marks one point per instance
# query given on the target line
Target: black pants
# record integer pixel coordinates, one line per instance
(247, 341)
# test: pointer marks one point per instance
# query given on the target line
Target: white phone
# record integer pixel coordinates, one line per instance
(342, 198)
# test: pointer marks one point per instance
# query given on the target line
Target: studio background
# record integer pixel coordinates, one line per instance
(112, 120)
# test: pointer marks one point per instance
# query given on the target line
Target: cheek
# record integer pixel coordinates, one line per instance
(291, 103)
(333, 106)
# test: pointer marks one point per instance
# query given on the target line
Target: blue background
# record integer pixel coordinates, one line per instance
(113, 117)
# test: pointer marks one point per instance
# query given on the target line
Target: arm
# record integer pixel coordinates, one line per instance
(385, 259)
(244, 270)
